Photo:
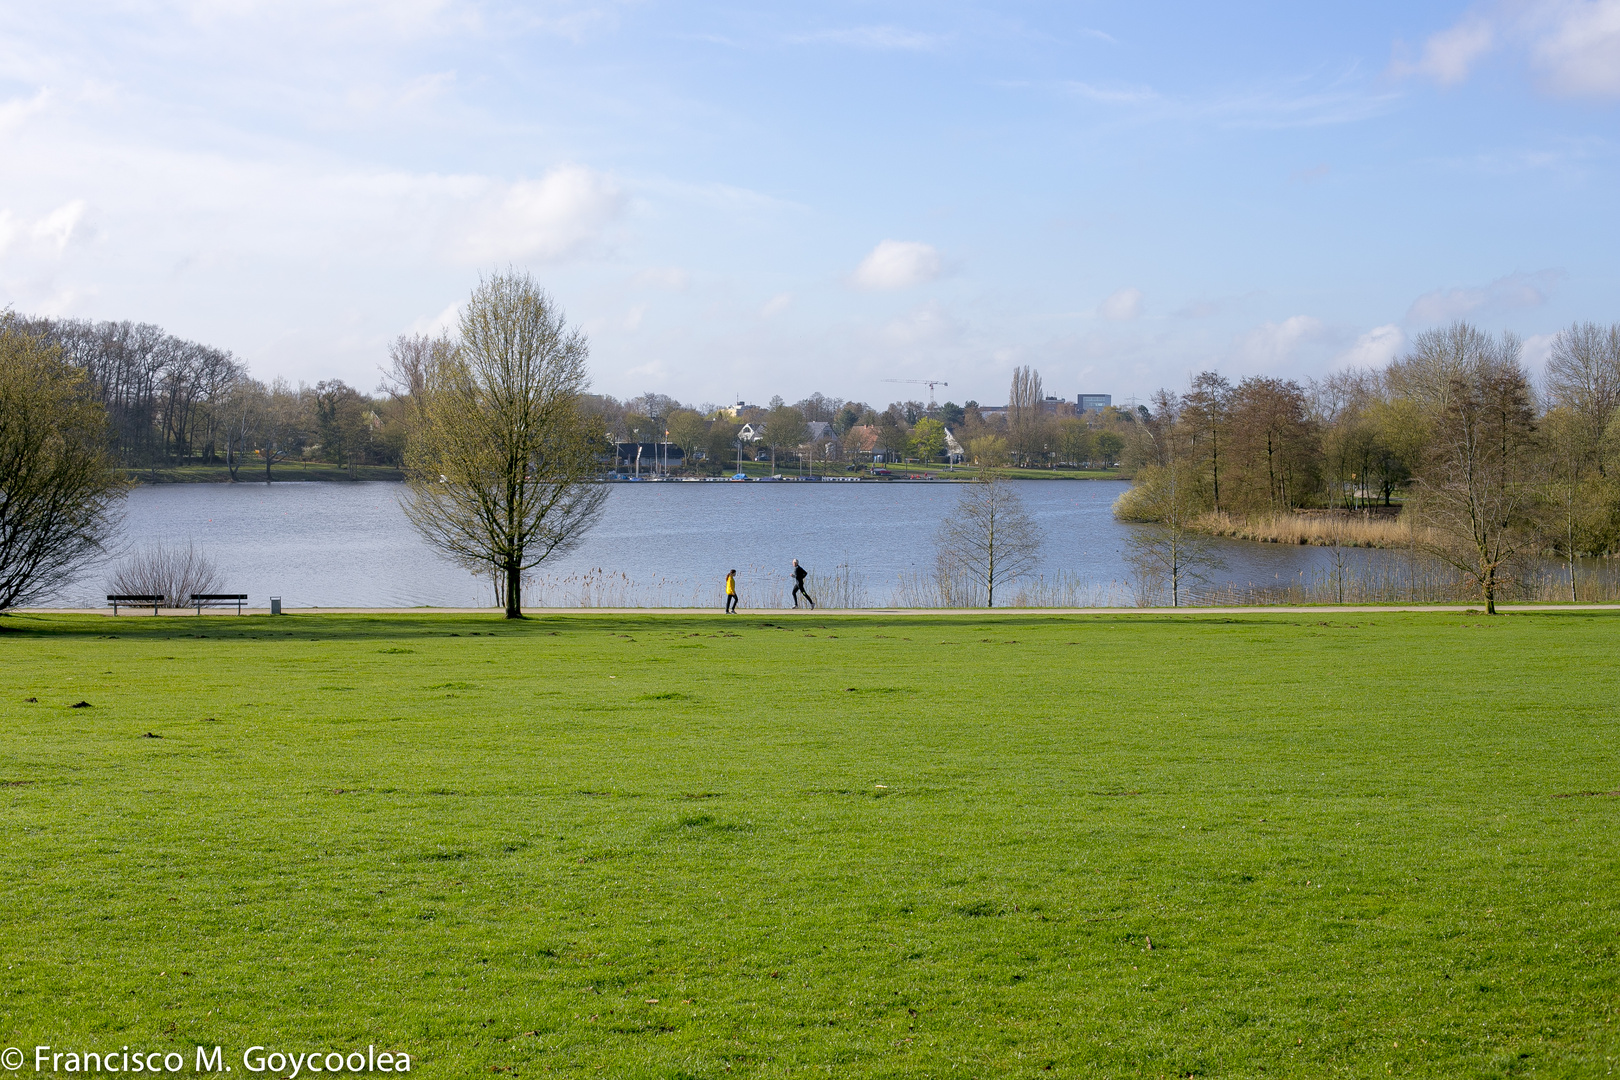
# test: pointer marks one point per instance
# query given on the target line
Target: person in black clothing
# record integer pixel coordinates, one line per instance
(799, 574)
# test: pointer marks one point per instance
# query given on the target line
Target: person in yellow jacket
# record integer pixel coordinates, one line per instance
(731, 592)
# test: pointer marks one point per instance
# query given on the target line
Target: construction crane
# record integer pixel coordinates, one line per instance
(930, 383)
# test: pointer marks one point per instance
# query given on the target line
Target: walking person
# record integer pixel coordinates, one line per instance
(799, 574)
(731, 592)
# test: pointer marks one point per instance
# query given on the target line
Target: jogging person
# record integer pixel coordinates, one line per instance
(731, 592)
(799, 574)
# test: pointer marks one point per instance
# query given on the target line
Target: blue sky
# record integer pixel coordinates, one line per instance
(746, 200)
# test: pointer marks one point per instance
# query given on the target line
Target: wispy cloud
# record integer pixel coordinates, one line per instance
(1513, 291)
(1374, 349)
(1291, 103)
(1572, 46)
(1122, 306)
(1273, 344)
(1111, 95)
(877, 38)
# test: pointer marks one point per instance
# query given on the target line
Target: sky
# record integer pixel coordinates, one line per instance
(739, 200)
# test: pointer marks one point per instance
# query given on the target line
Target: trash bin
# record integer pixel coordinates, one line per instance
(275, 605)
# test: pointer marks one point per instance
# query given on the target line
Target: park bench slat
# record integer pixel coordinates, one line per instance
(133, 599)
(199, 599)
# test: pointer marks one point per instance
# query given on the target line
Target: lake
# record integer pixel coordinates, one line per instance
(664, 544)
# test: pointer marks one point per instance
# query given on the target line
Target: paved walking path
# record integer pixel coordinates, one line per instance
(1347, 609)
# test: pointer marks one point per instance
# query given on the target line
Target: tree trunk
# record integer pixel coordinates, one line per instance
(1489, 584)
(514, 588)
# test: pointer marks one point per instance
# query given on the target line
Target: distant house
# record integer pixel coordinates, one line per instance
(953, 449)
(751, 432)
(1093, 402)
(992, 412)
(861, 442)
(820, 431)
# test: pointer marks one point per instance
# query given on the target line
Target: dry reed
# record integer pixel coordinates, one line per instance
(1342, 529)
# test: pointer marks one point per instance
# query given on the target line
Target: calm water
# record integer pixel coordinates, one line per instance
(349, 545)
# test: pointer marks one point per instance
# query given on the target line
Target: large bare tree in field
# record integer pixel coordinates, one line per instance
(59, 488)
(501, 456)
(988, 541)
(1478, 487)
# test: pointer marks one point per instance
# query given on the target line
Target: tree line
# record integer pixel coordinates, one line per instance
(172, 402)
(1489, 468)
(169, 401)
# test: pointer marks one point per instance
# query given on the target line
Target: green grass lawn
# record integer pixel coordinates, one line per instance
(687, 846)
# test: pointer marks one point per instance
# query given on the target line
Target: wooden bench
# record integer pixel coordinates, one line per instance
(199, 599)
(135, 600)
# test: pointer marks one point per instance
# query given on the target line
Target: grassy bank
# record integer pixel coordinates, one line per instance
(692, 846)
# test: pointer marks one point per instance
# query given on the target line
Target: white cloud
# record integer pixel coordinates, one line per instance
(776, 305)
(1271, 343)
(434, 325)
(15, 110)
(1509, 292)
(1536, 348)
(1122, 306)
(51, 233)
(1374, 349)
(57, 227)
(1573, 45)
(1449, 55)
(1580, 53)
(898, 264)
(551, 219)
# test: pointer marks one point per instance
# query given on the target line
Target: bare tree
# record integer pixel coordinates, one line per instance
(174, 573)
(1583, 376)
(59, 488)
(280, 424)
(989, 540)
(1023, 410)
(784, 427)
(1168, 555)
(1477, 490)
(502, 455)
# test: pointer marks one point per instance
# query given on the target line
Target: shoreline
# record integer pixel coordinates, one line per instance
(1228, 609)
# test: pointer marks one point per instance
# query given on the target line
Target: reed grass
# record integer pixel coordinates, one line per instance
(1341, 528)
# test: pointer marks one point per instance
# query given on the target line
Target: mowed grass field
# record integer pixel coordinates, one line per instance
(771, 845)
